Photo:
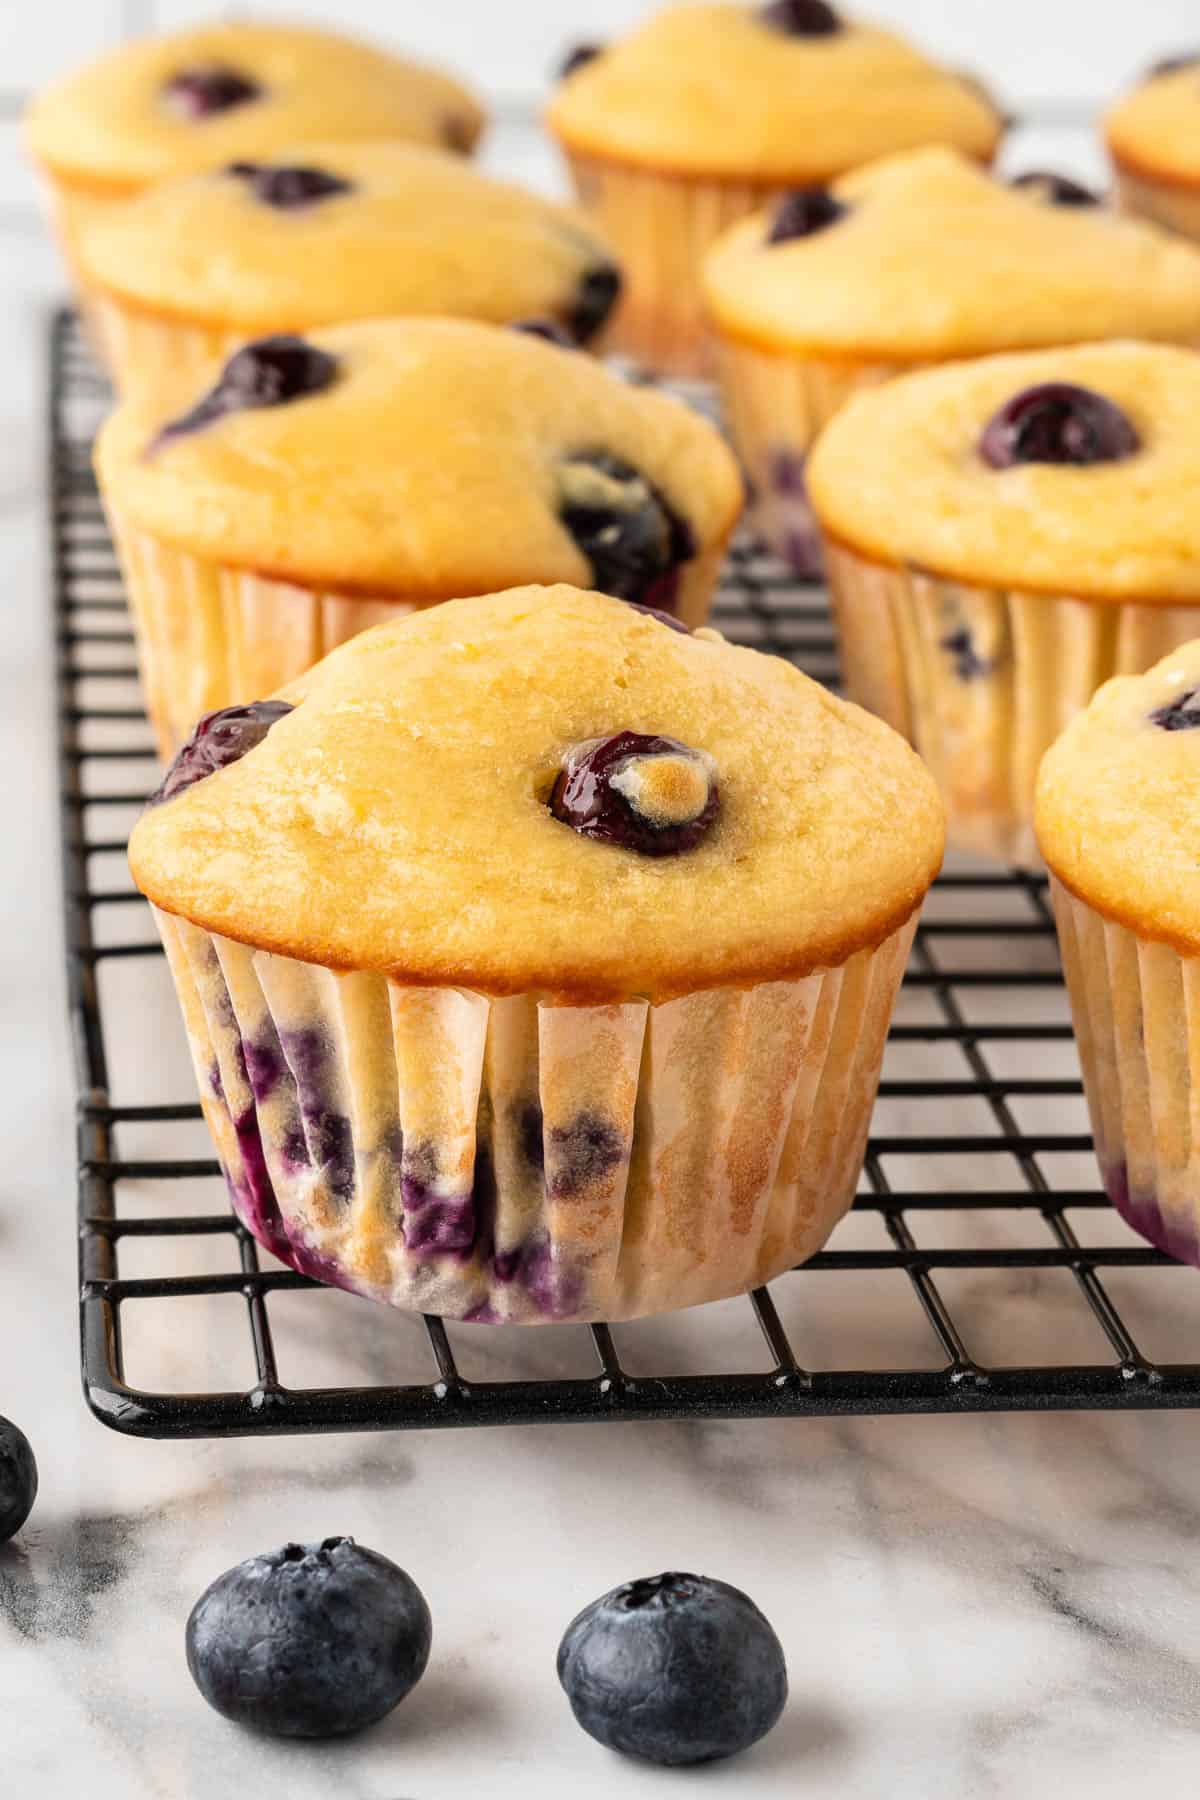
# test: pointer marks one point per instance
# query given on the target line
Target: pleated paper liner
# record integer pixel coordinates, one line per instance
(983, 680)
(1166, 203)
(516, 1160)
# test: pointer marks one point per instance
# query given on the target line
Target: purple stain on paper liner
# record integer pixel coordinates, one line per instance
(582, 1153)
(960, 648)
(1148, 1219)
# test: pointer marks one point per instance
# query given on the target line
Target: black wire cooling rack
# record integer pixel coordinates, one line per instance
(977, 1209)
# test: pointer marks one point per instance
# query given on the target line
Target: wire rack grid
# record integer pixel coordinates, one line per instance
(987, 936)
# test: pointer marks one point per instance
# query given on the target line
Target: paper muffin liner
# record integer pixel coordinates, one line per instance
(982, 680)
(775, 403)
(514, 1160)
(661, 227)
(1167, 203)
(71, 211)
(1136, 1007)
(210, 636)
(169, 361)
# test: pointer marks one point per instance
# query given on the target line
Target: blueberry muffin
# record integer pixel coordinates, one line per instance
(1002, 537)
(328, 482)
(537, 956)
(921, 258)
(1118, 809)
(327, 233)
(705, 113)
(1153, 135)
(202, 98)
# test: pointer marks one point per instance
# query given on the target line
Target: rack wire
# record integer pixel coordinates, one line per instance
(986, 938)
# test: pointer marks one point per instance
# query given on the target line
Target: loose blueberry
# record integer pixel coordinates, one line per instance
(220, 738)
(804, 213)
(1172, 65)
(1180, 715)
(649, 794)
(623, 526)
(550, 329)
(289, 188)
(200, 92)
(1055, 190)
(675, 1669)
(314, 1640)
(1057, 422)
(595, 299)
(268, 372)
(577, 57)
(18, 1479)
(801, 18)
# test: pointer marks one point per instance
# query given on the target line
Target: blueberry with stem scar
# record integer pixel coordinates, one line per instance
(649, 794)
(674, 1669)
(1057, 422)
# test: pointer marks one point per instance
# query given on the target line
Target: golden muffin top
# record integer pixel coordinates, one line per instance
(453, 800)
(729, 91)
(1155, 128)
(197, 99)
(1118, 802)
(925, 256)
(328, 232)
(976, 472)
(424, 458)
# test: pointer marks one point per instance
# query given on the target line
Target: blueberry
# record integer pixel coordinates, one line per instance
(1057, 422)
(577, 57)
(218, 739)
(664, 618)
(595, 298)
(803, 213)
(649, 794)
(622, 524)
(18, 1479)
(1172, 65)
(675, 1669)
(199, 92)
(1055, 190)
(287, 188)
(314, 1640)
(269, 371)
(801, 18)
(550, 329)
(1180, 715)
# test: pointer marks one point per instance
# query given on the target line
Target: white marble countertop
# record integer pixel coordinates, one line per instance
(971, 1607)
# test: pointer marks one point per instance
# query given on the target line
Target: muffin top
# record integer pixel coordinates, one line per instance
(923, 255)
(1118, 801)
(424, 458)
(329, 232)
(1155, 127)
(765, 93)
(546, 789)
(1058, 471)
(194, 100)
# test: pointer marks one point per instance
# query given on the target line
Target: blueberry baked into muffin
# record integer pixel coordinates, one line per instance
(327, 482)
(537, 955)
(324, 234)
(1153, 135)
(705, 113)
(202, 98)
(920, 258)
(1002, 537)
(1118, 809)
